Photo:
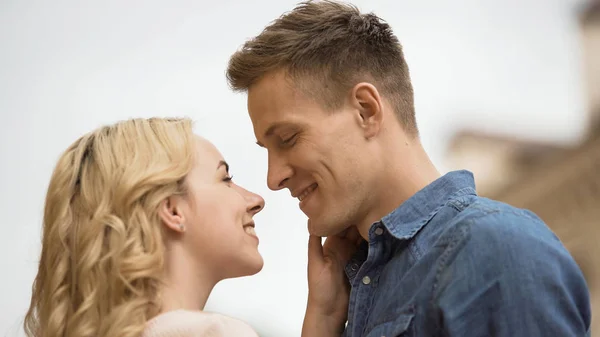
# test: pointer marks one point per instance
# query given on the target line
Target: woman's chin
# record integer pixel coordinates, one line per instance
(255, 267)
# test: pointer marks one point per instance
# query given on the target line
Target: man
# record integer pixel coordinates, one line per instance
(330, 98)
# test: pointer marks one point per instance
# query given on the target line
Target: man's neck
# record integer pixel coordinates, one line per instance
(405, 172)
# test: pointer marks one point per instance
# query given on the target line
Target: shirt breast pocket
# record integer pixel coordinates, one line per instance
(400, 327)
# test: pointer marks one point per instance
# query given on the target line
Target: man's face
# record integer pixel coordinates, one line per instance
(321, 157)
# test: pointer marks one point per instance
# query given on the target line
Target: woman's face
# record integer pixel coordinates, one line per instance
(217, 215)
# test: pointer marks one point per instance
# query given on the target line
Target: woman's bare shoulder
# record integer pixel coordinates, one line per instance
(183, 323)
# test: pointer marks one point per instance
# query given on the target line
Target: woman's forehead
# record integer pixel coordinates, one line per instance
(208, 154)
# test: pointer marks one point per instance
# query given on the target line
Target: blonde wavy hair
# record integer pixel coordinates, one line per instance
(102, 261)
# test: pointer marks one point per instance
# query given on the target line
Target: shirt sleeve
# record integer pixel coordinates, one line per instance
(511, 277)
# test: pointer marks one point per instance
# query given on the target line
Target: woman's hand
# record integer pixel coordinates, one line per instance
(328, 287)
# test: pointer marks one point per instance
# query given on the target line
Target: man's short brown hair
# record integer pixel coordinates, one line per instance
(326, 48)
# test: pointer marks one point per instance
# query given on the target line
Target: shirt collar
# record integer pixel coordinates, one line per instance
(406, 220)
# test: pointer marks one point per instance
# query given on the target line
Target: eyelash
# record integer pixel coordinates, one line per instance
(289, 140)
(228, 179)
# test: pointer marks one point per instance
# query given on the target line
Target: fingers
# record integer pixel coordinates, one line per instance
(315, 250)
(346, 250)
(338, 247)
(353, 235)
(341, 249)
(343, 233)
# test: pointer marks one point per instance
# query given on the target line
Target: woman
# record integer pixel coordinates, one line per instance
(141, 221)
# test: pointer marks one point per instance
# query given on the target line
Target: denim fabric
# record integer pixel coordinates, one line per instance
(450, 263)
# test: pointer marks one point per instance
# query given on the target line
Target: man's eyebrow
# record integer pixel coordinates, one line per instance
(223, 163)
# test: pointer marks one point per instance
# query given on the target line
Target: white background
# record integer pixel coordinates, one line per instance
(67, 66)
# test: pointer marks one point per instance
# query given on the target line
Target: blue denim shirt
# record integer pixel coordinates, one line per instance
(450, 263)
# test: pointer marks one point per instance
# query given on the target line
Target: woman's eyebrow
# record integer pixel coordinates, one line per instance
(223, 163)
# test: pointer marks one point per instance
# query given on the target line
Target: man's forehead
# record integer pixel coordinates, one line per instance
(273, 104)
(272, 92)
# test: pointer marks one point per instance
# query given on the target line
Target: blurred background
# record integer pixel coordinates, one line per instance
(509, 89)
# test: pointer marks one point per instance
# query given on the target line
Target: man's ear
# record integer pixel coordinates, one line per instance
(170, 213)
(366, 99)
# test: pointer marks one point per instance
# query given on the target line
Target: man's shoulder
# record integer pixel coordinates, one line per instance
(484, 209)
(495, 253)
(487, 217)
(473, 222)
(498, 229)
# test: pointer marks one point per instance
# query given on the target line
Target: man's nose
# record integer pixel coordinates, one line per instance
(279, 172)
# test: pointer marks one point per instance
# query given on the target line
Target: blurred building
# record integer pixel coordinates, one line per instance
(561, 185)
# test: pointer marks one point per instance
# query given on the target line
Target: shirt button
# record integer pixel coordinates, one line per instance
(379, 231)
(354, 267)
(366, 280)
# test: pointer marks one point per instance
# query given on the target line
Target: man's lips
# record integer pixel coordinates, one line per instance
(305, 192)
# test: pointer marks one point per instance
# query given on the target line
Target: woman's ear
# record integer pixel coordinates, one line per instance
(170, 213)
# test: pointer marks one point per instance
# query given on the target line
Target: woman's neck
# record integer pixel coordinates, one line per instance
(188, 286)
